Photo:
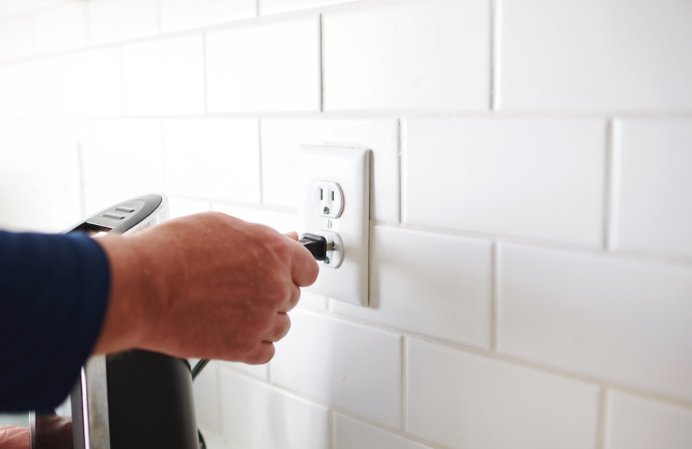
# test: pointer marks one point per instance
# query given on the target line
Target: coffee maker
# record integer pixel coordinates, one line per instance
(131, 400)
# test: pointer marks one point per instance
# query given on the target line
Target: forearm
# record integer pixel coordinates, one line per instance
(140, 282)
(206, 286)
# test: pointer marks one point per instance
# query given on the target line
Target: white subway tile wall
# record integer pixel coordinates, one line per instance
(653, 186)
(60, 28)
(349, 366)
(91, 83)
(120, 159)
(425, 55)
(637, 423)
(182, 14)
(121, 20)
(257, 416)
(446, 279)
(213, 158)
(541, 178)
(16, 37)
(590, 55)
(274, 6)
(599, 316)
(462, 400)
(207, 399)
(352, 434)
(267, 67)
(531, 275)
(164, 77)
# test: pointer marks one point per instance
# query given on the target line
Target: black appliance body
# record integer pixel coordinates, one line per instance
(132, 400)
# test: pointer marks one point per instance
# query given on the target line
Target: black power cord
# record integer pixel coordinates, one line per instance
(198, 368)
(202, 443)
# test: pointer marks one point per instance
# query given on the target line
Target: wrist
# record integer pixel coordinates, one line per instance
(126, 314)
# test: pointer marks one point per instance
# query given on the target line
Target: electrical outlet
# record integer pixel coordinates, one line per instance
(335, 186)
(328, 199)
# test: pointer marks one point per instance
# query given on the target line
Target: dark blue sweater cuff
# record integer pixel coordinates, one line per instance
(54, 295)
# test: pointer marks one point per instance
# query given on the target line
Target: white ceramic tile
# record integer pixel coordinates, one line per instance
(465, 401)
(446, 280)
(312, 302)
(214, 440)
(281, 221)
(91, 83)
(352, 434)
(274, 6)
(653, 211)
(39, 167)
(421, 55)
(344, 365)
(281, 140)
(16, 37)
(60, 28)
(207, 392)
(181, 14)
(121, 20)
(213, 158)
(10, 9)
(181, 207)
(541, 178)
(620, 320)
(636, 423)
(595, 56)
(256, 416)
(285, 78)
(31, 89)
(258, 371)
(10, 95)
(164, 77)
(121, 158)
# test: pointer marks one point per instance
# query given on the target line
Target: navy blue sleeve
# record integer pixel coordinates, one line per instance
(53, 299)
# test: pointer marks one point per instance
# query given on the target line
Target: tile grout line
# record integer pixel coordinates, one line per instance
(602, 417)
(404, 381)
(513, 360)
(401, 159)
(612, 185)
(336, 410)
(331, 428)
(321, 60)
(121, 80)
(494, 59)
(164, 154)
(494, 295)
(81, 180)
(87, 23)
(260, 155)
(374, 114)
(205, 82)
(159, 26)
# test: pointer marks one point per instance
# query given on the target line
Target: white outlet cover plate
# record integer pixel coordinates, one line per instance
(350, 168)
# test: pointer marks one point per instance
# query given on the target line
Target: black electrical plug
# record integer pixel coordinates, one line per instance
(316, 244)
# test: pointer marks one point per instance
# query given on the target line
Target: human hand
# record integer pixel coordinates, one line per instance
(207, 286)
(12, 437)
